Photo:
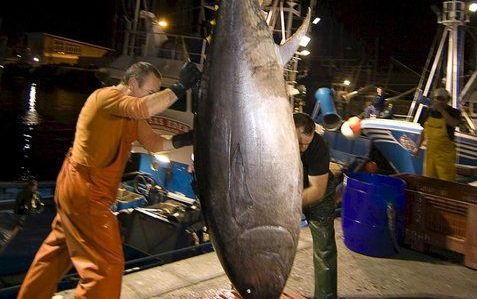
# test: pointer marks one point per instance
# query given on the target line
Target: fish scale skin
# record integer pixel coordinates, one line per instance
(247, 160)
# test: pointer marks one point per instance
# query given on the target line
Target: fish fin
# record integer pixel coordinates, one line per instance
(290, 46)
(239, 192)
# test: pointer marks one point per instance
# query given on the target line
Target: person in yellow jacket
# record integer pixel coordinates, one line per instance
(85, 233)
(439, 126)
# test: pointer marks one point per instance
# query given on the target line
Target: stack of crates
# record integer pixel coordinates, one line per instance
(441, 214)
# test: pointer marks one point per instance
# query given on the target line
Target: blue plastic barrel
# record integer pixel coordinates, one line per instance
(328, 115)
(373, 213)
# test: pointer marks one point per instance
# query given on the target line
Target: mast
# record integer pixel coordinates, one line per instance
(454, 17)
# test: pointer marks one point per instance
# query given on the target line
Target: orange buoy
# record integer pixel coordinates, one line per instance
(346, 131)
(355, 124)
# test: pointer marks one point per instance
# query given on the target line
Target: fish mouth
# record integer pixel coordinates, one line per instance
(266, 254)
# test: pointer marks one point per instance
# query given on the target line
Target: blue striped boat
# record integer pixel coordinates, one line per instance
(397, 139)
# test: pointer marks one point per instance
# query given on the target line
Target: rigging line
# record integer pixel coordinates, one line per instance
(405, 66)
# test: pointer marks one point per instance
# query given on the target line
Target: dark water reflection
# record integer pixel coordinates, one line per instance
(37, 123)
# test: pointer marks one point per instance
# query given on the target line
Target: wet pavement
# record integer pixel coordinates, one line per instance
(409, 274)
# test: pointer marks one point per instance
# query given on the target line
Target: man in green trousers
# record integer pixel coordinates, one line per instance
(318, 204)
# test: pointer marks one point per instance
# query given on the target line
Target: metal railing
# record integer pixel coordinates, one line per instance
(166, 46)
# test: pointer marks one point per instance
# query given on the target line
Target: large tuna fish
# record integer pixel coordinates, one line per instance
(247, 159)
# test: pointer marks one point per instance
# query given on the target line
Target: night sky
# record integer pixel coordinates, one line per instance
(404, 28)
(86, 20)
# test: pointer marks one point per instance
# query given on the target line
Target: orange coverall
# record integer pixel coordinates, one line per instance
(85, 233)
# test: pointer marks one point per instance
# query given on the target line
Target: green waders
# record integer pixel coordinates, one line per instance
(320, 219)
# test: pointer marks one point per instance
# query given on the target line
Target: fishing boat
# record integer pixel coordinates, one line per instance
(397, 139)
(159, 216)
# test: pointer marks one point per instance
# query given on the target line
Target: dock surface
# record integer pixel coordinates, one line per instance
(409, 274)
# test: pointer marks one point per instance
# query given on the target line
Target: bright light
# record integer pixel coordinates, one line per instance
(19, 56)
(32, 99)
(36, 59)
(162, 158)
(316, 21)
(292, 91)
(163, 23)
(31, 117)
(304, 41)
(304, 53)
(346, 82)
(473, 7)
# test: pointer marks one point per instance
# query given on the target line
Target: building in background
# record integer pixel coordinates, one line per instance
(45, 48)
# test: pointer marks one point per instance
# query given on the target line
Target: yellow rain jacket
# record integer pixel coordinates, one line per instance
(441, 153)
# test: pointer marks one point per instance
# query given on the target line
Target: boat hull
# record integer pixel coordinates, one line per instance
(396, 140)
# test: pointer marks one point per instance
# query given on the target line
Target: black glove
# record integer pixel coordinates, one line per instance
(183, 139)
(188, 78)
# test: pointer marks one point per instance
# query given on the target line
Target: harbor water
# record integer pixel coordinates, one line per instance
(37, 126)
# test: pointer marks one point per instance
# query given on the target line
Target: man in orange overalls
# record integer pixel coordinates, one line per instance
(85, 233)
(439, 127)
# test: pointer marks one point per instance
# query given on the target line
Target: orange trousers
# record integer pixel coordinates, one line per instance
(84, 234)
